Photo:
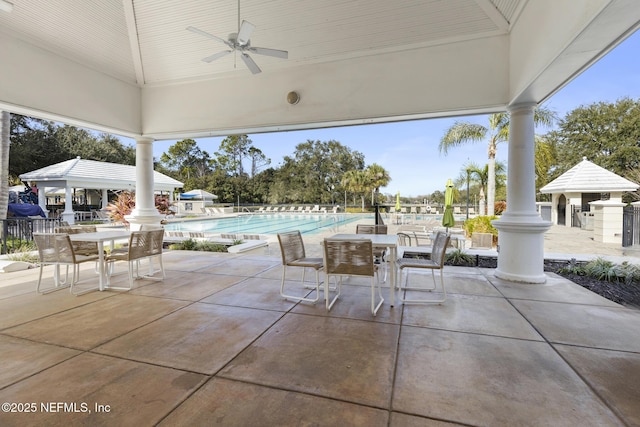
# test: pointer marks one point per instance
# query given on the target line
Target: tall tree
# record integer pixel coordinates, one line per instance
(355, 181)
(377, 177)
(461, 133)
(258, 160)
(5, 124)
(187, 161)
(607, 134)
(314, 172)
(233, 150)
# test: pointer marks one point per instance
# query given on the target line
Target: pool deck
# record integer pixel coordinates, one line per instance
(215, 344)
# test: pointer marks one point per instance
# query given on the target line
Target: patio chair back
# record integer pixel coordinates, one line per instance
(291, 247)
(57, 249)
(54, 248)
(80, 248)
(348, 257)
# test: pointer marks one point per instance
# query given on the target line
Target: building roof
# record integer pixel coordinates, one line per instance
(587, 177)
(80, 173)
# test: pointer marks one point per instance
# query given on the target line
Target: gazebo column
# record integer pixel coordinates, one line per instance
(520, 229)
(42, 200)
(105, 198)
(68, 214)
(145, 211)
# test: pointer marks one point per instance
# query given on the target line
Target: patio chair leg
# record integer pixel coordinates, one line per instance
(374, 307)
(297, 298)
(338, 287)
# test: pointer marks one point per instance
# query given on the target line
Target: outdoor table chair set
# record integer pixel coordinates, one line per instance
(72, 246)
(355, 255)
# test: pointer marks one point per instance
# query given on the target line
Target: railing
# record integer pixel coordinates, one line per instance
(18, 230)
(630, 226)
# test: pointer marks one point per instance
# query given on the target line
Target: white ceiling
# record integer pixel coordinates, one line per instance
(130, 66)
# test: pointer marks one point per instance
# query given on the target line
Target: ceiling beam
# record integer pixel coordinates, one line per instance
(494, 14)
(134, 42)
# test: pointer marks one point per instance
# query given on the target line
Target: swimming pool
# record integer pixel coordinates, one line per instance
(268, 223)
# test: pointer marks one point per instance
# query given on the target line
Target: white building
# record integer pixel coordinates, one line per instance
(91, 175)
(573, 191)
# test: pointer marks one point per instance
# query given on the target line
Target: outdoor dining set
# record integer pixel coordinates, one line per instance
(369, 253)
(362, 254)
(72, 246)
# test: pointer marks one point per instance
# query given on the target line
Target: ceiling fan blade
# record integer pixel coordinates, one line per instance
(211, 36)
(250, 63)
(217, 56)
(270, 52)
(245, 32)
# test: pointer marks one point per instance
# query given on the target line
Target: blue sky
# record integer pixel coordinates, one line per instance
(409, 150)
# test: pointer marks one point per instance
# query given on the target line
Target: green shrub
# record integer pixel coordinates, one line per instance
(602, 269)
(195, 245)
(21, 246)
(460, 258)
(481, 224)
(24, 252)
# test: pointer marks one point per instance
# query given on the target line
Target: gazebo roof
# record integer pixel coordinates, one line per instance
(587, 177)
(82, 173)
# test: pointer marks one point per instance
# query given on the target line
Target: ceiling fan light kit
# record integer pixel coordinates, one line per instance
(239, 42)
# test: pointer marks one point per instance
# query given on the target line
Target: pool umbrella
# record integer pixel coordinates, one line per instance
(447, 219)
(398, 202)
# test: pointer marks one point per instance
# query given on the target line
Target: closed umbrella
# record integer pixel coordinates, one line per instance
(398, 202)
(447, 219)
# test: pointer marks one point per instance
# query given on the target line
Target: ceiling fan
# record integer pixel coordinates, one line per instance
(241, 42)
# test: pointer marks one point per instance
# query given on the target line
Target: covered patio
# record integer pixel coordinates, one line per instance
(215, 344)
(159, 70)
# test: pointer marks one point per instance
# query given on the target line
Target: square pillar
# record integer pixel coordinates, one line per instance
(607, 221)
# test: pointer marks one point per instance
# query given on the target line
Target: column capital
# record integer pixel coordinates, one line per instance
(144, 140)
(521, 106)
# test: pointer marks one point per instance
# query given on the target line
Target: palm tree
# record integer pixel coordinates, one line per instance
(498, 131)
(355, 181)
(479, 176)
(377, 176)
(5, 123)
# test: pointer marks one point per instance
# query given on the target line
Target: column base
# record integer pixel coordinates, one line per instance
(521, 248)
(70, 217)
(136, 220)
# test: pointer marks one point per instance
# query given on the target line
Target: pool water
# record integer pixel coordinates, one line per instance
(268, 223)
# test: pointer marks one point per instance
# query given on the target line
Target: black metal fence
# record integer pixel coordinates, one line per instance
(630, 226)
(15, 231)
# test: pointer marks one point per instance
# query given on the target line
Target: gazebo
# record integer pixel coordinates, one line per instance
(133, 68)
(90, 174)
(573, 191)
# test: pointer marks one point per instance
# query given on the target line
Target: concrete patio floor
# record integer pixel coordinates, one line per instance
(215, 344)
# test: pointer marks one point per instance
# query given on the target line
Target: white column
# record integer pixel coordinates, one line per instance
(105, 198)
(145, 211)
(68, 214)
(42, 200)
(520, 228)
